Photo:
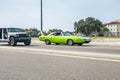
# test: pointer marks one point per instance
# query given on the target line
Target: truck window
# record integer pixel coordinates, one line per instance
(14, 30)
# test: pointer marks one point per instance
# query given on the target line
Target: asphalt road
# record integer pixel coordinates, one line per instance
(111, 49)
(36, 62)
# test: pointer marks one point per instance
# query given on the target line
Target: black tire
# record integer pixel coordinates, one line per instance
(80, 44)
(57, 43)
(70, 42)
(12, 42)
(27, 43)
(47, 42)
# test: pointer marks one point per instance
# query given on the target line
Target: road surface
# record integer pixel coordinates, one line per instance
(59, 62)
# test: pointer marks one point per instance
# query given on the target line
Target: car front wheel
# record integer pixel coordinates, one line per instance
(47, 42)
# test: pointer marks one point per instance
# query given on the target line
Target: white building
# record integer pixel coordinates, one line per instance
(114, 27)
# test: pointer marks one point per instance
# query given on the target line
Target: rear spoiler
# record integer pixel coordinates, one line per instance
(41, 33)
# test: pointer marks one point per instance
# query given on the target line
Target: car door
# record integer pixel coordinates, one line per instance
(58, 38)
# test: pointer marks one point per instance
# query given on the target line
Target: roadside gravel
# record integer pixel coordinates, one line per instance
(106, 41)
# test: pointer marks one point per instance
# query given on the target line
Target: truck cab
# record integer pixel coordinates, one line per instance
(13, 36)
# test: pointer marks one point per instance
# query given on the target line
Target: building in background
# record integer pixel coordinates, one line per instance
(114, 27)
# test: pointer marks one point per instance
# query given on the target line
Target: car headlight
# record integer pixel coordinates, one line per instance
(87, 39)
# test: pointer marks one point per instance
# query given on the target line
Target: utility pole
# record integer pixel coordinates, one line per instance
(41, 15)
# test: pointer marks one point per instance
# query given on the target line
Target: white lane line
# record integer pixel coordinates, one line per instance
(71, 54)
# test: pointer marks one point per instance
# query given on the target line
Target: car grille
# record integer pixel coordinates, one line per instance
(23, 35)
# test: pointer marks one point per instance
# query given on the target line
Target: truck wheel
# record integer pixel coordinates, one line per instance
(12, 41)
(27, 43)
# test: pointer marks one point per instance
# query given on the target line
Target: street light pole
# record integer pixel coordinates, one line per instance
(41, 16)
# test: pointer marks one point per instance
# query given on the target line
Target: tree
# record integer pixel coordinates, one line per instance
(88, 26)
(105, 31)
(32, 32)
(55, 30)
(76, 27)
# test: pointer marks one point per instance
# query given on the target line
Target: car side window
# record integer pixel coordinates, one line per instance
(58, 34)
(54, 34)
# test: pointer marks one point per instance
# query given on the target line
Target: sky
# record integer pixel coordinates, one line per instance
(57, 14)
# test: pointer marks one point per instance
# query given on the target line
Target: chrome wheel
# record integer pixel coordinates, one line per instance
(70, 42)
(47, 42)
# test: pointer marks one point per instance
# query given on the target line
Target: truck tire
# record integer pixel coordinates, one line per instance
(12, 42)
(27, 43)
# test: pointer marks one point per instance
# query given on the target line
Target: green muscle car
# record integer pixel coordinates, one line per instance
(63, 38)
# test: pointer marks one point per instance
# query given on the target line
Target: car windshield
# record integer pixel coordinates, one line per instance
(67, 34)
(14, 30)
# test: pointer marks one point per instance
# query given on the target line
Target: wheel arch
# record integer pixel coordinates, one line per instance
(10, 37)
(69, 39)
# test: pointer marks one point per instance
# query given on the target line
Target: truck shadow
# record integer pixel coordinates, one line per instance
(18, 45)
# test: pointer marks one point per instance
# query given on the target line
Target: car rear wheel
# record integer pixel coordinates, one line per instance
(70, 42)
(47, 42)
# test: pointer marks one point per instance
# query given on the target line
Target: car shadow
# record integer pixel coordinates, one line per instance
(84, 45)
(53, 45)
